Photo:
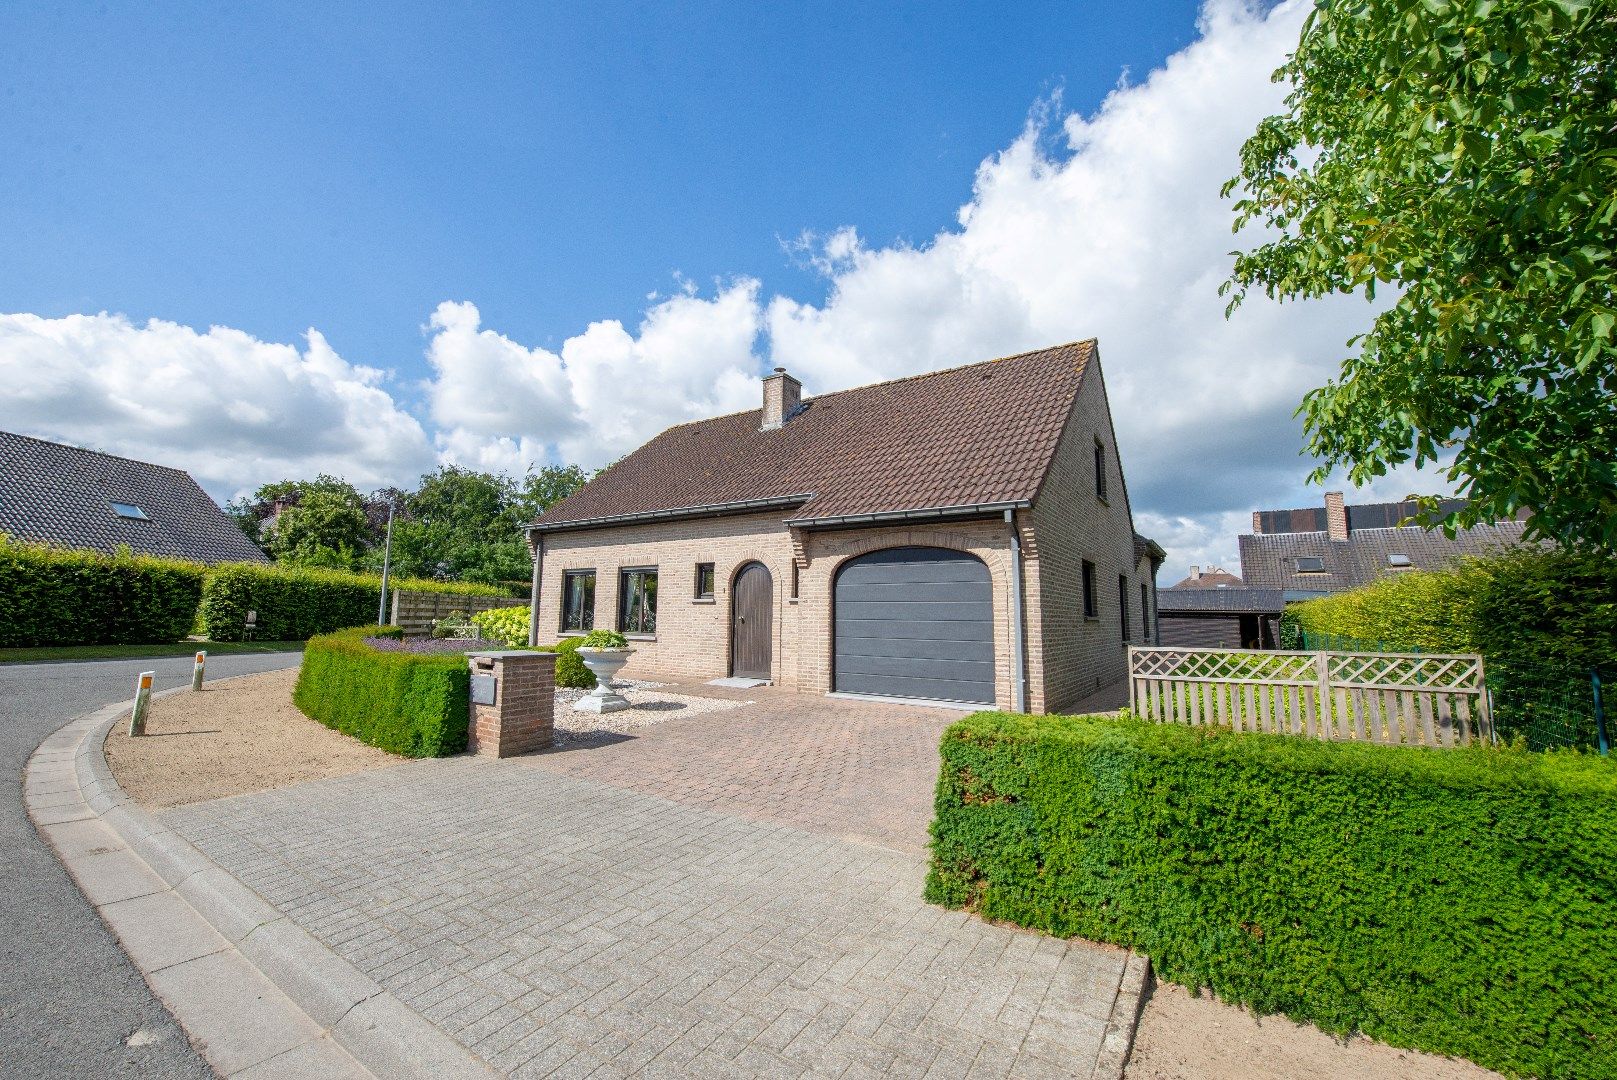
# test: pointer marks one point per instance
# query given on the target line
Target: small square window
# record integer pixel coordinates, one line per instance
(704, 581)
(1310, 564)
(1399, 560)
(130, 511)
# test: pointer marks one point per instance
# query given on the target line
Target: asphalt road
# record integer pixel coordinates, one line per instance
(71, 1004)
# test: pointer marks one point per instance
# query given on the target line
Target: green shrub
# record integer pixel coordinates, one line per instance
(1531, 606)
(414, 704)
(53, 596)
(604, 639)
(507, 625)
(570, 669)
(294, 603)
(1459, 901)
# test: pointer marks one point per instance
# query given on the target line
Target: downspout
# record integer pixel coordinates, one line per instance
(537, 543)
(1019, 650)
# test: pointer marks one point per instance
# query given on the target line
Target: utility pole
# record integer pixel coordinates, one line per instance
(387, 564)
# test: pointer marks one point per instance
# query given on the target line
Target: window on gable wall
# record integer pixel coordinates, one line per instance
(1091, 596)
(1123, 604)
(1100, 471)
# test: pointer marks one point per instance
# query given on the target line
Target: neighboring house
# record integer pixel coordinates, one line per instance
(1214, 577)
(1319, 550)
(1232, 617)
(963, 535)
(68, 497)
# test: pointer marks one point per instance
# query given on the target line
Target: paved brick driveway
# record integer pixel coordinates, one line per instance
(856, 769)
(737, 894)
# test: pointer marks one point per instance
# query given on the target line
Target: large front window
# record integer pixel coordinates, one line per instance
(637, 601)
(578, 601)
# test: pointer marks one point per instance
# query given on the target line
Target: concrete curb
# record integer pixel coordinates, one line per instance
(259, 997)
(1118, 1041)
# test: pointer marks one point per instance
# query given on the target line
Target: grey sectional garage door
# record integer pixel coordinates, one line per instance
(915, 622)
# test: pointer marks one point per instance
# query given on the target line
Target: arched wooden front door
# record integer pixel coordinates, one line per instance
(752, 622)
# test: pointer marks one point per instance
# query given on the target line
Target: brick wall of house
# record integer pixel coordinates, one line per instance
(1068, 656)
(1069, 525)
(693, 635)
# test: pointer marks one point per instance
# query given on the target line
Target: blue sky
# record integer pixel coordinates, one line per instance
(269, 242)
(276, 167)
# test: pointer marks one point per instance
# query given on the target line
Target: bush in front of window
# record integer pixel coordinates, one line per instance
(1461, 901)
(570, 669)
(414, 704)
(604, 639)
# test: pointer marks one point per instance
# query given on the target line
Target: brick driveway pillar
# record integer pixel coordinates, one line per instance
(521, 717)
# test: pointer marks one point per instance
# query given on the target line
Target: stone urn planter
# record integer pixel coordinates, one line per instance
(604, 664)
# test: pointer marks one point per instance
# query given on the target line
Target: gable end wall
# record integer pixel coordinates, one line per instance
(1079, 655)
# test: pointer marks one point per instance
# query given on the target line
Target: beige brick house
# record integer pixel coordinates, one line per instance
(962, 536)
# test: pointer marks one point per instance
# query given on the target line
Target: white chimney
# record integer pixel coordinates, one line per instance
(783, 397)
(1195, 573)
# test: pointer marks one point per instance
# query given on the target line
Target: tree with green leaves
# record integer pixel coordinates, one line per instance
(318, 523)
(1464, 156)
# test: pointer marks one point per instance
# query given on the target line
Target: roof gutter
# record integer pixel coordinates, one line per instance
(708, 510)
(928, 513)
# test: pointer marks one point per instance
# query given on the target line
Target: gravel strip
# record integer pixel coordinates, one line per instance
(647, 707)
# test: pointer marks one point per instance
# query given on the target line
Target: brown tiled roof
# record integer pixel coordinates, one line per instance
(967, 436)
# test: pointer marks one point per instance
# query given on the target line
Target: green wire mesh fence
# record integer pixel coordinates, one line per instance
(1545, 705)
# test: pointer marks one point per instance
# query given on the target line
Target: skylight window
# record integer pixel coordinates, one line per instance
(1310, 564)
(1399, 560)
(129, 510)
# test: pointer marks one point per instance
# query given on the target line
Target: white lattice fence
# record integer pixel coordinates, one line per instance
(1417, 700)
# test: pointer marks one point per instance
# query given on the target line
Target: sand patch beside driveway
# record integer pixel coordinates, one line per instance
(232, 737)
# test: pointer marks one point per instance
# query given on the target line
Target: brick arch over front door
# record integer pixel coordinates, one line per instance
(914, 622)
(752, 623)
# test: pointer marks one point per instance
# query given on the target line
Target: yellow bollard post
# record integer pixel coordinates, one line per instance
(196, 672)
(143, 694)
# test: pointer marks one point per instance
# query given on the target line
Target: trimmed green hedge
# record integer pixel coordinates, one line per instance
(295, 603)
(52, 596)
(414, 704)
(1531, 606)
(1459, 901)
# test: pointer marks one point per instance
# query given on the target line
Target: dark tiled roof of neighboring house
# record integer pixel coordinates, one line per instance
(1233, 599)
(1270, 560)
(968, 436)
(1213, 578)
(63, 495)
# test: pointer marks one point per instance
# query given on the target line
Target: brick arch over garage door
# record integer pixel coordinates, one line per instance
(914, 622)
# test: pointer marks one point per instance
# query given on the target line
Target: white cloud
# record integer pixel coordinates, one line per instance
(1120, 234)
(230, 409)
(498, 404)
(1107, 225)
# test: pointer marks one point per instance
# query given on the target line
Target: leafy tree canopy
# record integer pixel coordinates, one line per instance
(1464, 154)
(457, 525)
